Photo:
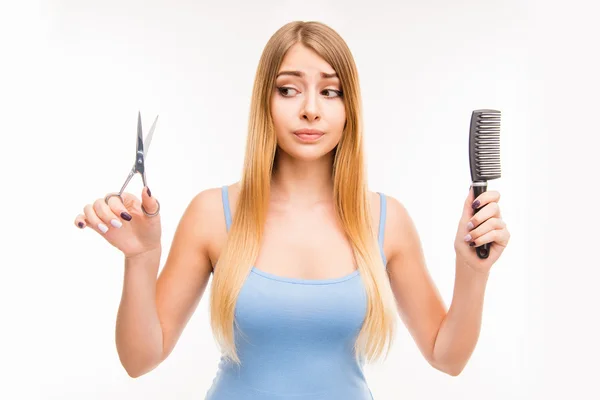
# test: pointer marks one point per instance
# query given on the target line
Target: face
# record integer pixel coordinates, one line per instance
(307, 97)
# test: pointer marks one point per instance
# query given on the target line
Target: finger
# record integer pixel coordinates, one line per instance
(498, 236)
(104, 212)
(119, 208)
(93, 221)
(80, 221)
(488, 211)
(149, 202)
(486, 198)
(489, 225)
(132, 203)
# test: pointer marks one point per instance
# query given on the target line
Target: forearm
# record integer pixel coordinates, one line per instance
(138, 333)
(459, 331)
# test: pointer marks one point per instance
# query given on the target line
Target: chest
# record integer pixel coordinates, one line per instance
(305, 244)
(277, 313)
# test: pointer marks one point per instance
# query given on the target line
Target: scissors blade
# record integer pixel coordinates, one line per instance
(149, 138)
(140, 143)
(139, 148)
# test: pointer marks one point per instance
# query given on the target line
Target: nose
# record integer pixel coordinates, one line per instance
(310, 110)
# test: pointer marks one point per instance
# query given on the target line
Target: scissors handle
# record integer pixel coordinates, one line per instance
(143, 209)
(119, 195)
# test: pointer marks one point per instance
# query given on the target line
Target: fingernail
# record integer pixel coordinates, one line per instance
(148, 190)
(468, 238)
(469, 226)
(103, 228)
(125, 216)
(476, 204)
(472, 244)
(116, 223)
(80, 224)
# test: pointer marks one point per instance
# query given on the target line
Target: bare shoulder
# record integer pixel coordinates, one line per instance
(203, 209)
(206, 209)
(399, 229)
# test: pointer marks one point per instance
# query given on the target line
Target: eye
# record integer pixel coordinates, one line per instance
(337, 93)
(284, 90)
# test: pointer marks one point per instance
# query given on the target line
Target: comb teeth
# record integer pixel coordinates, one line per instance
(484, 145)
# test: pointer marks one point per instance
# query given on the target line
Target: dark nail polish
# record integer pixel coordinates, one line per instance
(476, 204)
(472, 244)
(80, 224)
(148, 190)
(125, 216)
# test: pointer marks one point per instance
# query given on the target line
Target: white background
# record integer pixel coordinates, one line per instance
(75, 73)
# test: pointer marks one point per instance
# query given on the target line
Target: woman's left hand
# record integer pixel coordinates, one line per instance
(487, 227)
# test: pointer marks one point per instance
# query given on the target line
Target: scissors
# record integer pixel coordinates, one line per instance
(141, 152)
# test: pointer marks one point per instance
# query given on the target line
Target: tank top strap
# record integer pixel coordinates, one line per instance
(382, 214)
(227, 210)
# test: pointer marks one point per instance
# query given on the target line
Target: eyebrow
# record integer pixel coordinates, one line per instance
(300, 74)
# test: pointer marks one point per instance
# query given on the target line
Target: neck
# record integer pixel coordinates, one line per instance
(302, 182)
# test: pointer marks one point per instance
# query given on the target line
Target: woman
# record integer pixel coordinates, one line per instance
(310, 265)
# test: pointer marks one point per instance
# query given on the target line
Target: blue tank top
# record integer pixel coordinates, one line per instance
(295, 337)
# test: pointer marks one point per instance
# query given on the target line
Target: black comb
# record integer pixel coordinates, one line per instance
(484, 156)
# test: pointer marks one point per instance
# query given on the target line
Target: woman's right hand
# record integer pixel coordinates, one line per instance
(124, 225)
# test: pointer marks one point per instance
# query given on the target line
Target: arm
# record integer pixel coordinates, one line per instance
(445, 338)
(460, 329)
(153, 312)
(138, 335)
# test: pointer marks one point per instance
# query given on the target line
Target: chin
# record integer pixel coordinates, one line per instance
(308, 156)
(308, 153)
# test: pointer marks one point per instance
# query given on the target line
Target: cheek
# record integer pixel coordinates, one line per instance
(337, 117)
(280, 112)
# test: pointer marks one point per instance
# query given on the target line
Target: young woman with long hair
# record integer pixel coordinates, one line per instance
(310, 268)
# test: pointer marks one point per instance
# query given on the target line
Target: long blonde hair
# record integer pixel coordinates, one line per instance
(349, 189)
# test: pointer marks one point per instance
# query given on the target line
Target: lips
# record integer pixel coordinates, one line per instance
(309, 132)
(308, 135)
